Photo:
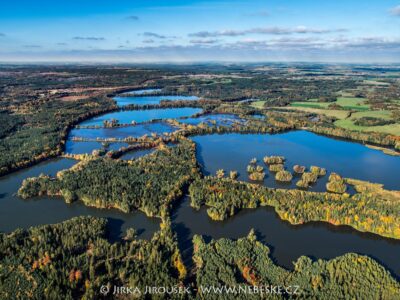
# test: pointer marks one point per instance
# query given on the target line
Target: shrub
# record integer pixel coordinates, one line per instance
(334, 177)
(309, 177)
(257, 176)
(372, 121)
(283, 175)
(302, 184)
(274, 160)
(299, 169)
(233, 174)
(220, 173)
(336, 184)
(338, 187)
(318, 170)
(276, 167)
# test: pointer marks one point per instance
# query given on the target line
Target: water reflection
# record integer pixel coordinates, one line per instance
(287, 242)
(127, 116)
(234, 151)
(17, 213)
(143, 100)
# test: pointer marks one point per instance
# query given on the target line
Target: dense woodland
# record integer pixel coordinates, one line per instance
(372, 209)
(150, 184)
(73, 259)
(246, 262)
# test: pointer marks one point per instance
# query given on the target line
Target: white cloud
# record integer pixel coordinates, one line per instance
(264, 30)
(204, 41)
(88, 38)
(132, 18)
(395, 11)
(261, 13)
(154, 35)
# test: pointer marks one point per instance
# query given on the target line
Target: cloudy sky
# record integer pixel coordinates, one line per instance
(191, 31)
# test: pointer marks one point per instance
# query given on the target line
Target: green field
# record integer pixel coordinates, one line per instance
(348, 103)
(310, 104)
(339, 114)
(352, 103)
(348, 124)
(258, 104)
(342, 115)
(382, 114)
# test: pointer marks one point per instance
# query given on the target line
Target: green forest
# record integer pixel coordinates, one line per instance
(73, 259)
(149, 184)
(246, 262)
(371, 209)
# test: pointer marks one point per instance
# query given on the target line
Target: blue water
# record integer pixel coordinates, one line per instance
(142, 100)
(126, 117)
(215, 119)
(258, 116)
(136, 154)
(234, 151)
(123, 132)
(73, 147)
(17, 213)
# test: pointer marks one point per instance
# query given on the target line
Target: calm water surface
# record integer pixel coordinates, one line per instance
(17, 213)
(136, 154)
(143, 100)
(234, 151)
(214, 119)
(287, 242)
(74, 147)
(126, 117)
(123, 132)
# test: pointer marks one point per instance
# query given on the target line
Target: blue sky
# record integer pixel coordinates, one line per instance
(188, 31)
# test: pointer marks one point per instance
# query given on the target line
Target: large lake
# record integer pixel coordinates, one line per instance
(287, 242)
(17, 213)
(143, 100)
(234, 152)
(127, 116)
(123, 132)
(73, 147)
(214, 119)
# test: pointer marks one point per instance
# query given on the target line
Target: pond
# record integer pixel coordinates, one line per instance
(75, 147)
(214, 119)
(17, 213)
(123, 132)
(136, 154)
(287, 242)
(234, 151)
(127, 116)
(143, 100)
